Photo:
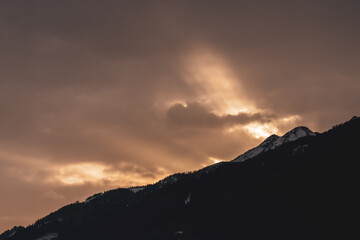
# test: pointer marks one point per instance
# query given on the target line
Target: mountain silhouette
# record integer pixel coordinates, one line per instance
(302, 185)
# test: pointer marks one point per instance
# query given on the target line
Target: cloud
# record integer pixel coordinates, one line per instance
(196, 115)
(97, 83)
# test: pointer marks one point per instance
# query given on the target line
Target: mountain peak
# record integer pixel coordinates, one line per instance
(298, 132)
(354, 118)
(274, 141)
(271, 138)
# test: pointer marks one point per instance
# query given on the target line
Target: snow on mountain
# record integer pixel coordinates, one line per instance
(167, 181)
(274, 141)
(136, 189)
(269, 143)
(48, 236)
(187, 200)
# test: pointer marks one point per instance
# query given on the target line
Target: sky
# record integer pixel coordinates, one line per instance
(96, 95)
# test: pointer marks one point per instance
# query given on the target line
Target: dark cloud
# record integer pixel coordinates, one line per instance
(195, 115)
(93, 84)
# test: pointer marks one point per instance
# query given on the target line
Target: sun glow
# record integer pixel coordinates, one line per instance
(100, 174)
(83, 172)
(217, 87)
(215, 160)
(291, 118)
(214, 83)
(261, 130)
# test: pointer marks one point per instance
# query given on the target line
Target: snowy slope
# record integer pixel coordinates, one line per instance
(274, 141)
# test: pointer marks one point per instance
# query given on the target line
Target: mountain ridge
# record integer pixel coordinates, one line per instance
(274, 141)
(195, 189)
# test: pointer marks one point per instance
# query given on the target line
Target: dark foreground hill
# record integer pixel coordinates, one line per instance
(299, 189)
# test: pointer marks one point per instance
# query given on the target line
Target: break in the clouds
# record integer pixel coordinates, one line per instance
(102, 94)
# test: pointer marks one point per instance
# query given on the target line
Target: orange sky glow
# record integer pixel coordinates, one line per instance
(107, 94)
